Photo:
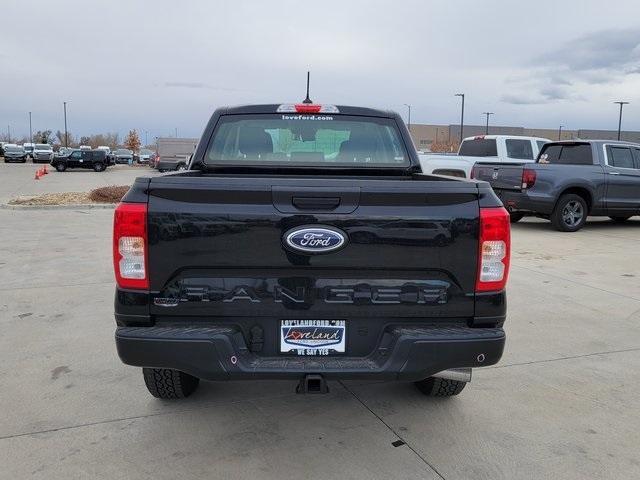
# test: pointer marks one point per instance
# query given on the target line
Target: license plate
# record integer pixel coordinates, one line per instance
(312, 337)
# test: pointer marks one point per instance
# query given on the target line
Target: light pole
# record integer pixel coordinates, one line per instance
(176, 132)
(560, 132)
(66, 135)
(461, 116)
(9, 133)
(620, 117)
(486, 130)
(30, 130)
(409, 117)
(146, 138)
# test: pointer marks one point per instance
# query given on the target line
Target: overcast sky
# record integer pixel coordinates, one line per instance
(162, 65)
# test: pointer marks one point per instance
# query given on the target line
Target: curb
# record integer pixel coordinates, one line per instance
(78, 206)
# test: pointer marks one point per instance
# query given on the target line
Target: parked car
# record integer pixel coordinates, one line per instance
(42, 152)
(105, 149)
(28, 148)
(482, 148)
(14, 153)
(123, 155)
(144, 155)
(570, 181)
(2, 144)
(250, 265)
(94, 159)
(174, 153)
(85, 147)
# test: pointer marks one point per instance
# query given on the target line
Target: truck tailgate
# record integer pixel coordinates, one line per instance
(501, 176)
(216, 247)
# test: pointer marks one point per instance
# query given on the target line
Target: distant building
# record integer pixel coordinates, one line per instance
(426, 135)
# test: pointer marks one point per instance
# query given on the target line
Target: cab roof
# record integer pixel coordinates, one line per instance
(342, 110)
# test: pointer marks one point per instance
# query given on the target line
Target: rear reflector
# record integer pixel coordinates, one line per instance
(495, 249)
(307, 108)
(528, 178)
(130, 245)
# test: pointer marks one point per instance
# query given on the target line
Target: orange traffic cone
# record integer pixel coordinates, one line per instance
(44, 170)
(37, 175)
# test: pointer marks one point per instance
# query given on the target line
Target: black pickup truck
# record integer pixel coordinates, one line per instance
(570, 181)
(304, 243)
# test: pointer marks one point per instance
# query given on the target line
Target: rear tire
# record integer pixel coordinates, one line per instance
(570, 213)
(169, 384)
(621, 219)
(440, 387)
(515, 216)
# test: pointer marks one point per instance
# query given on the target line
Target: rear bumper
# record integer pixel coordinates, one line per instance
(408, 353)
(515, 201)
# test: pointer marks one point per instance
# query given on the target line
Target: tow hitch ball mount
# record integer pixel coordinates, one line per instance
(312, 384)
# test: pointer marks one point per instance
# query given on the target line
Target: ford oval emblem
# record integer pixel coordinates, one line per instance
(315, 239)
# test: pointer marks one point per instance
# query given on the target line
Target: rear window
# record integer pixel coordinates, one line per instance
(306, 139)
(520, 149)
(480, 147)
(566, 154)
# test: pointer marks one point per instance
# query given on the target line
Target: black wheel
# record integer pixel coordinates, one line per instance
(516, 216)
(61, 167)
(622, 219)
(181, 167)
(440, 387)
(98, 167)
(570, 213)
(169, 384)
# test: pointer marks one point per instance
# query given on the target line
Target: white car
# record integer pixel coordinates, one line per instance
(42, 152)
(105, 149)
(482, 148)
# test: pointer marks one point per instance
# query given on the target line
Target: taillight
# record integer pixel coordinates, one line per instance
(495, 249)
(130, 245)
(307, 108)
(528, 178)
(473, 173)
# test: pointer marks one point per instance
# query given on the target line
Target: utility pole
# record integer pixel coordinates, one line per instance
(30, 130)
(9, 133)
(176, 132)
(461, 116)
(409, 118)
(620, 117)
(486, 130)
(560, 132)
(146, 138)
(66, 135)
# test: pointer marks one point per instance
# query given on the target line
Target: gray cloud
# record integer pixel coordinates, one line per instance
(514, 99)
(606, 49)
(186, 85)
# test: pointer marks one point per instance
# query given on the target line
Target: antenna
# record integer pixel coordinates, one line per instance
(307, 100)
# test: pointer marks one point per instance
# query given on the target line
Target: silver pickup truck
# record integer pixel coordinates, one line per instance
(569, 181)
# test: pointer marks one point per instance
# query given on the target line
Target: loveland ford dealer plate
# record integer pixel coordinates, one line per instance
(312, 337)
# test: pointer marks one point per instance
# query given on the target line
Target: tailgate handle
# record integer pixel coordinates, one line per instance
(316, 203)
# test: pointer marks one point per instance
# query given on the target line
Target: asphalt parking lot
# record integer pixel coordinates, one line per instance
(562, 403)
